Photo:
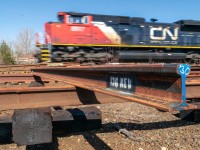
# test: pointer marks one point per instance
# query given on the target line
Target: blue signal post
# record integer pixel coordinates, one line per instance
(183, 70)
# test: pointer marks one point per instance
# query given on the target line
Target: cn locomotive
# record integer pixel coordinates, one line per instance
(84, 37)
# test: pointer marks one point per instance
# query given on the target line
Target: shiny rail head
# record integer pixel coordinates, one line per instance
(129, 68)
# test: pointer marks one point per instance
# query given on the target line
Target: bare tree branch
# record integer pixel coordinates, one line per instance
(25, 41)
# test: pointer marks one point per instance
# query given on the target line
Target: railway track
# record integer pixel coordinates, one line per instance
(27, 83)
(22, 75)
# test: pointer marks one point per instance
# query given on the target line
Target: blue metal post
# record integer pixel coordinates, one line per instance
(183, 70)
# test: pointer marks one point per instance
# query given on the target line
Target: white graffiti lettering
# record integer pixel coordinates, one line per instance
(121, 83)
(114, 82)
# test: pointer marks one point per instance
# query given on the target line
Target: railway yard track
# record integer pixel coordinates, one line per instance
(94, 115)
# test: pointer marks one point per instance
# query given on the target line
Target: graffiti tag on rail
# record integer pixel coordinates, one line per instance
(121, 82)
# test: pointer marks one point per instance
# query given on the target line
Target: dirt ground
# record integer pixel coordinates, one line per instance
(149, 129)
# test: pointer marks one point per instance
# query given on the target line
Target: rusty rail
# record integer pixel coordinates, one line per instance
(6, 78)
(31, 97)
(193, 83)
(157, 85)
(36, 97)
(20, 69)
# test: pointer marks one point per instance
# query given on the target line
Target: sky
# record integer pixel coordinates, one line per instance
(16, 15)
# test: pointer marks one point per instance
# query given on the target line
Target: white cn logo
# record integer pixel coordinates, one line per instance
(165, 32)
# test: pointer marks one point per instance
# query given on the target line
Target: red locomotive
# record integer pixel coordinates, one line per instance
(86, 37)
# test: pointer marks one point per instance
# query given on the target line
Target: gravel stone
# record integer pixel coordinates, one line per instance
(151, 130)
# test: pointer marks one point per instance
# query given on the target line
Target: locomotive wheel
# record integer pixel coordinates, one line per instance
(65, 57)
(193, 58)
(57, 56)
(189, 61)
(57, 59)
(80, 59)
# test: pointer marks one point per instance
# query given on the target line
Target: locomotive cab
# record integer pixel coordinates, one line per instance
(71, 28)
(73, 18)
(61, 18)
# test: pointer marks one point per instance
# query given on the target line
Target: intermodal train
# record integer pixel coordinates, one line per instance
(85, 37)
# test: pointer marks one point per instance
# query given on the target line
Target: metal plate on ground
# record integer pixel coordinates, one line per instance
(32, 126)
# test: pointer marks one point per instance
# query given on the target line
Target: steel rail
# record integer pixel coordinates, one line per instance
(30, 66)
(193, 83)
(37, 97)
(26, 69)
(149, 79)
(156, 85)
(6, 78)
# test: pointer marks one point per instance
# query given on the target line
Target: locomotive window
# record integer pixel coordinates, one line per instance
(78, 19)
(85, 20)
(61, 18)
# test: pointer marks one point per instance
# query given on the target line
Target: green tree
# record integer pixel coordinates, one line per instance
(6, 53)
